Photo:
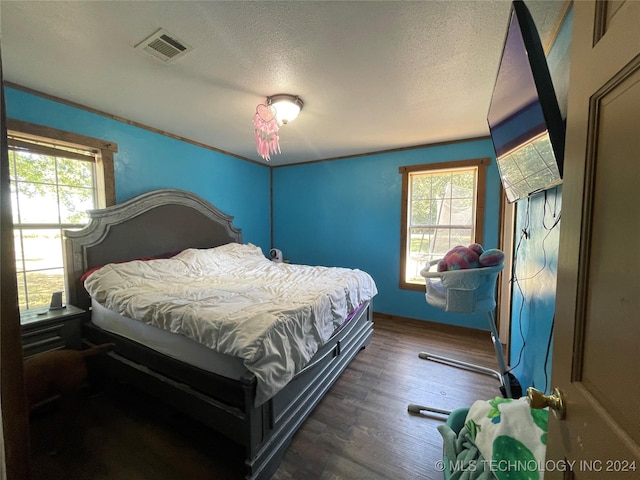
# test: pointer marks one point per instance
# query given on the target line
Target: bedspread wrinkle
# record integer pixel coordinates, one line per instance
(231, 298)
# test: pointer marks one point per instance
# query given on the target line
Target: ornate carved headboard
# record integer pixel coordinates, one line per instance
(154, 224)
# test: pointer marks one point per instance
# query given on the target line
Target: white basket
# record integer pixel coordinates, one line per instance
(462, 291)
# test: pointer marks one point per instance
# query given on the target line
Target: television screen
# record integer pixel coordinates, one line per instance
(524, 119)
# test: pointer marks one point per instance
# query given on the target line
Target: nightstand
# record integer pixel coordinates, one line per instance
(44, 330)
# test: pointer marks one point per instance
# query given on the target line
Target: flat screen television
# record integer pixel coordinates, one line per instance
(524, 118)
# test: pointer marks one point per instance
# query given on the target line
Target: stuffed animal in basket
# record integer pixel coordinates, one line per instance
(473, 256)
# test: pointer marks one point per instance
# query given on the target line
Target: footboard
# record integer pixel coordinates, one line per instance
(292, 405)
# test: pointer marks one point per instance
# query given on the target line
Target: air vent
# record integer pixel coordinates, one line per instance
(164, 46)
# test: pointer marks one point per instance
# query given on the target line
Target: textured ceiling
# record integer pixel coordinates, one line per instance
(373, 75)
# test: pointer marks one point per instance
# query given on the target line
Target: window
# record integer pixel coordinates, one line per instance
(55, 177)
(442, 206)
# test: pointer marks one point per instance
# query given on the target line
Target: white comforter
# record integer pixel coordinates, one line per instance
(232, 299)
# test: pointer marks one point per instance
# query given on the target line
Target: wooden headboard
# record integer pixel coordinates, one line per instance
(153, 224)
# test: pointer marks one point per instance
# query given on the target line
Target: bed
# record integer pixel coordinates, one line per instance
(218, 387)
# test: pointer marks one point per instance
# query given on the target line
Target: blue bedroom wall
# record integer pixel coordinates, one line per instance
(534, 287)
(347, 213)
(535, 271)
(148, 161)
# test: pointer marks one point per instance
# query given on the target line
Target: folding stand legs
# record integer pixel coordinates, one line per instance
(502, 376)
(413, 408)
(497, 346)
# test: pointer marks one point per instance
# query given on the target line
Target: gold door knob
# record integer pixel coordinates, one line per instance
(555, 401)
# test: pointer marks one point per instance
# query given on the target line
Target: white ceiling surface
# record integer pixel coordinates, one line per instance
(373, 76)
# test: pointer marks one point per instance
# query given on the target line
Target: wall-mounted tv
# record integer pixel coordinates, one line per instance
(524, 118)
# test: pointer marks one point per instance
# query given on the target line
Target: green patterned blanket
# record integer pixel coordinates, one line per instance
(501, 438)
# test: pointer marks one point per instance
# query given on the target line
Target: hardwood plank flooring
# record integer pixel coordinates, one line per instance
(360, 430)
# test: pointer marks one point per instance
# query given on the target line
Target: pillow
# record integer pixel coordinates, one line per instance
(88, 273)
(222, 254)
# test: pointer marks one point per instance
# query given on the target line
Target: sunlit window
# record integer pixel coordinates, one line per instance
(441, 205)
(56, 176)
(51, 190)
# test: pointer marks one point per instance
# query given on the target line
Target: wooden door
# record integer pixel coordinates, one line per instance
(14, 420)
(596, 356)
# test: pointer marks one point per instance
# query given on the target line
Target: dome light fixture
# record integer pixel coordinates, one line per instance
(287, 107)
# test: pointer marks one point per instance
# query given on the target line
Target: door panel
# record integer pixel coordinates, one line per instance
(596, 358)
(611, 301)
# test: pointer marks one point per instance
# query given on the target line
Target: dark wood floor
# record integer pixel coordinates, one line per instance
(360, 430)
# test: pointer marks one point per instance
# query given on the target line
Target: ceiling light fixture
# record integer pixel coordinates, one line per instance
(279, 110)
(287, 107)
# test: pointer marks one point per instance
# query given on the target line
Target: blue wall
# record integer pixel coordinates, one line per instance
(534, 293)
(347, 213)
(147, 161)
(534, 287)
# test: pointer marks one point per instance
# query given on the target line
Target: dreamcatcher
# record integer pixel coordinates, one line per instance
(266, 131)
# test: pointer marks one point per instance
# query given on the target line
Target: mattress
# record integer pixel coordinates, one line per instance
(177, 347)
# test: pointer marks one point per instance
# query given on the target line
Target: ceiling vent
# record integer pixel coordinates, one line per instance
(164, 46)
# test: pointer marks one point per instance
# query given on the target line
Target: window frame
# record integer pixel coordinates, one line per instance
(481, 164)
(102, 151)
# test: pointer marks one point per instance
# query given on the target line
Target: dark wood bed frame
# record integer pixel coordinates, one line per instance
(159, 223)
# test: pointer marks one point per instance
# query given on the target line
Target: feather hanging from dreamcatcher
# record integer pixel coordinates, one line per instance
(266, 131)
